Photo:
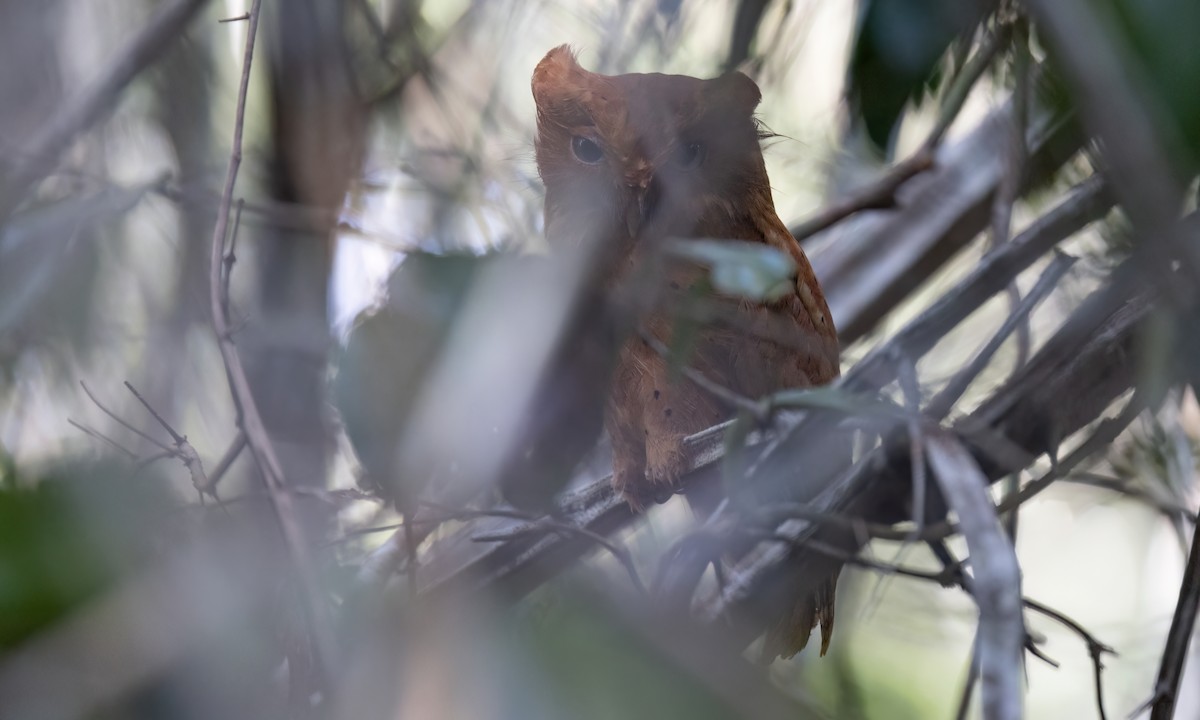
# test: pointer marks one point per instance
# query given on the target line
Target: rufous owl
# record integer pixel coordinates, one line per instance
(632, 160)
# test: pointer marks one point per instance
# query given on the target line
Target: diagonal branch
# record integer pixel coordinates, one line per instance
(996, 582)
(86, 108)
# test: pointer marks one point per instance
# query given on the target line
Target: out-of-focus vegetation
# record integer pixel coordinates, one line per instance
(321, 514)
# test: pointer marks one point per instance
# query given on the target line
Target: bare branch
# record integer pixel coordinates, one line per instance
(121, 421)
(1096, 649)
(179, 439)
(249, 419)
(102, 437)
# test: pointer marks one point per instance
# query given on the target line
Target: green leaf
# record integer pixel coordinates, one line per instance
(1162, 37)
(896, 53)
(66, 535)
(746, 269)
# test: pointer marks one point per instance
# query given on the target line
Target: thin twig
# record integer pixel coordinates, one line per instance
(911, 388)
(1128, 489)
(956, 96)
(968, 691)
(1010, 187)
(1183, 622)
(939, 407)
(101, 436)
(1085, 203)
(1096, 649)
(1002, 211)
(152, 440)
(179, 439)
(249, 419)
(878, 195)
(183, 449)
(548, 524)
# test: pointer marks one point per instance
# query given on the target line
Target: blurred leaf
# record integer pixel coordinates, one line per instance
(47, 265)
(747, 269)
(1162, 34)
(67, 538)
(605, 669)
(894, 58)
(733, 464)
(685, 327)
(388, 355)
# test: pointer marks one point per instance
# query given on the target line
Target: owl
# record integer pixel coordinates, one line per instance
(630, 161)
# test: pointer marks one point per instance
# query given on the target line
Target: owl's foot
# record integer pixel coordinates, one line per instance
(655, 482)
(666, 461)
(629, 481)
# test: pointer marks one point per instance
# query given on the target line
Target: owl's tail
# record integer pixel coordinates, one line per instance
(789, 635)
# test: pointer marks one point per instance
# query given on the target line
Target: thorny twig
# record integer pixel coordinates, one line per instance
(184, 451)
(249, 420)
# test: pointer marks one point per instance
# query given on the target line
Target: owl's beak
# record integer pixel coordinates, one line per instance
(641, 211)
(633, 218)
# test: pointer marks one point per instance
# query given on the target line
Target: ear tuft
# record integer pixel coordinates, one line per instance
(739, 91)
(556, 71)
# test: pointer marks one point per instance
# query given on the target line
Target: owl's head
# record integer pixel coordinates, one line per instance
(644, 155)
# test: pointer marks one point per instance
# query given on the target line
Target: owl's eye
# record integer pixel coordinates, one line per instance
(688, 156)
(586, 151)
